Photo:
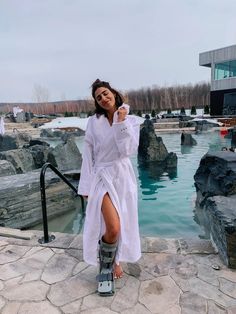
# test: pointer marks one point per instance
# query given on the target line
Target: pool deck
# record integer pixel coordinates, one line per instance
(173, 276)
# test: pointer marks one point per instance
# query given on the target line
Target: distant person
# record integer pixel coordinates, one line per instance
(2, 126)
(109, 184)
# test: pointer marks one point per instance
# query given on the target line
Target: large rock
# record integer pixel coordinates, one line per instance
(216, 175)
(218, 216)
(20, 205)
(66, 156)
(151, 147)
(6, 168)
(21, 159)
(39, 154)
(9, 142)
(187, 139)
(153, 156)
(215, 182)
(13, 141)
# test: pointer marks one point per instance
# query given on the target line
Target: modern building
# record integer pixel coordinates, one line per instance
(223, 79)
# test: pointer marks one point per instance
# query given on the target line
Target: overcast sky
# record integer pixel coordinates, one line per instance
(64, 45)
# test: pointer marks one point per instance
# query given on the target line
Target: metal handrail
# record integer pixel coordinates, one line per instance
(46, 237)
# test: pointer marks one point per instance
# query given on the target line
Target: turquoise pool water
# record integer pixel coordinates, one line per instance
(166, 204)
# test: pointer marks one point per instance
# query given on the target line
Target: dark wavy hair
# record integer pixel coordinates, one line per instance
(119, 100)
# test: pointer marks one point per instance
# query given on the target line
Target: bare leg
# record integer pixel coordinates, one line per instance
(112, 222)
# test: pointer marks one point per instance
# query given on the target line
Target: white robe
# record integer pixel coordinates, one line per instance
(106, 168)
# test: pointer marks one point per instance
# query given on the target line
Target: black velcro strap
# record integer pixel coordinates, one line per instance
(105, 277)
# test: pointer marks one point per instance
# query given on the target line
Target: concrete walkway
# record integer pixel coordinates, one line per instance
(172, 277)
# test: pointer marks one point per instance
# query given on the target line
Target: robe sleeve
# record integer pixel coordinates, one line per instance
(127, 136)
(87, 163)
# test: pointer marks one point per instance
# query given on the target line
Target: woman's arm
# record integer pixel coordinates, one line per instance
(127, 135)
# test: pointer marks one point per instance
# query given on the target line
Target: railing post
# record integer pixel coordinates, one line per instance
(46, 237)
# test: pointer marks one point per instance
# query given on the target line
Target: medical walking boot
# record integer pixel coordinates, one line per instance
(105, 278)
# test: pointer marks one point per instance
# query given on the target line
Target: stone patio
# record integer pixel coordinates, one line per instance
(174, 276)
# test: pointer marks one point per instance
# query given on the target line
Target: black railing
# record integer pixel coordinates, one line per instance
(46, 238)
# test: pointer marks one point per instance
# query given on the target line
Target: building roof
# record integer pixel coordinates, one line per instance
(217, 55)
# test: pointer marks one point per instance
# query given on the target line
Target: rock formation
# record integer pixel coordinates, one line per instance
(187, 139)
(152, 153)
(21, 158)
(215, 182)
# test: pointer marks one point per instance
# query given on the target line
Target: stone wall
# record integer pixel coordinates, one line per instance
(20, 196)
(215, 182)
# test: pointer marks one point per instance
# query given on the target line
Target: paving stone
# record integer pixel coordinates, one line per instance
(39, 308)
(13, 282)
(197, 246)
(16, 233)
(186, 269)
(72, 308)
(154, 293)
(62, 240)
(137, 309)
(230, 275)
(228, 287)
(58, 268)
(58, 251)
(89, 274)
(159, 264)
(77, 243)
(1, 285)
(12, 253)
(3, 243)
(70, 290)
(35, 275)
(11, 308)
(137, 270)
(174, 310)
(211, 259)
(215, 308)
(94, 301)
(75, 253)
(127, 297)
(121, 282)
(2, 302)
(231, 310)
(208, 274)
(31, 291)
(100, 310)
(192, 303)
(159, 245)
(208, 291)
(183, 272)
(33, 250)
(31, 264)
(80, 267)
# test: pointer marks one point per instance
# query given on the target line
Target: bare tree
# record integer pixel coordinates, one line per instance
(40, 94)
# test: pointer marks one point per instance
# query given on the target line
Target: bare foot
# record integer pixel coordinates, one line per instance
(118, 272)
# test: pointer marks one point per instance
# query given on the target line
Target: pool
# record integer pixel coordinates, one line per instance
(166, 203)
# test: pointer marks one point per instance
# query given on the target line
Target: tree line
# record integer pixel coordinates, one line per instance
(143, 99)
(172, 98)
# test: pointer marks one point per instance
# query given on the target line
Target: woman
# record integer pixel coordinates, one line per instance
(108, 180)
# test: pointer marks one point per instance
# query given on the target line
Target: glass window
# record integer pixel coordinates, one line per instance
(225, 70)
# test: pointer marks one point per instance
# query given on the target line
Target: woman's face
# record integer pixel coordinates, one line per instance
(105, 98)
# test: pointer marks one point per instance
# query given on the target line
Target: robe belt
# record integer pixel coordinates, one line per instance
(109, 163)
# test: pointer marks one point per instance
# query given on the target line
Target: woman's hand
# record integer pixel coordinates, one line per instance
(122, 113)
